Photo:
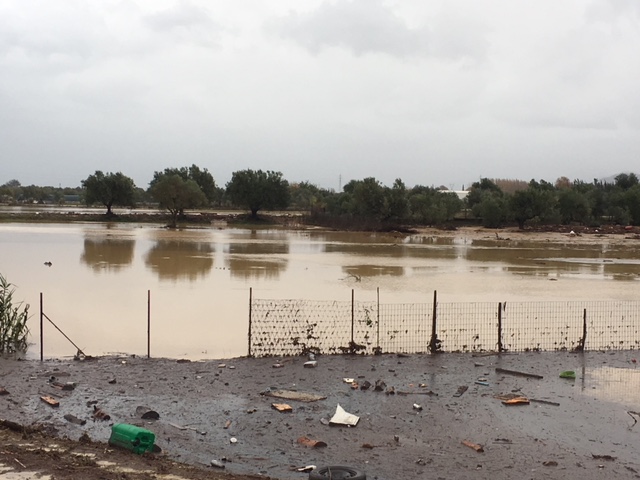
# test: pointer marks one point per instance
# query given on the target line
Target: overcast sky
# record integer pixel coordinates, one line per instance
(439, 92)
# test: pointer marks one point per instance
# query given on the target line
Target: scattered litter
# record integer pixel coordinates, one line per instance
(570, 374)
(390, 391)
(146, 413)
(402, 392)
(478, 364)
(63, 386)
(99, 414)
(222, 365)
(603, 457)
(366, 385)
(417, 407)
(293, 395)
(479, 382)
(368, 446)
(73, 419)
(113, 381)
(282, 407)
(520, 374)
(478, 448)
(504, 441)
(307, 442)
(550, 463)
(545, 402)
(354, 385)
(310, 364)
(217, 464)
(306, 468)
(380, 386)
(324, 421)
(50, 401)
(516, 401)
(227, 424)
(348, 380)
(233, 440)
(461, 390)
(278, 365)
(3, 391)
(341, 417)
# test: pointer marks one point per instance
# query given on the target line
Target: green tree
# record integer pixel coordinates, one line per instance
(177, 194)
(573, 206)
(258, 190)
(109, 190)
(202, 177)
(396, 202)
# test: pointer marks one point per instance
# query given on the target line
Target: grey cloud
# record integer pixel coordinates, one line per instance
(185, 20)
(362, 26)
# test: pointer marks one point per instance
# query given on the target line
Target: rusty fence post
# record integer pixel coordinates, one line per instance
(500, 347)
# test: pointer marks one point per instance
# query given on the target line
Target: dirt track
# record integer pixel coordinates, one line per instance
(590, 434)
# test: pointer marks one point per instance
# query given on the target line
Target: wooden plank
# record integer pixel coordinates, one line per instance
(517, 373)
(50, 401)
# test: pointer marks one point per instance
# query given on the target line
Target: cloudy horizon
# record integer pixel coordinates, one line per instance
(434, 93)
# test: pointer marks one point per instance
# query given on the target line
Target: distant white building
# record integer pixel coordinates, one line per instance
(462, 194)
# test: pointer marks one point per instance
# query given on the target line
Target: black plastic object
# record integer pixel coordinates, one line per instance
(336, 473)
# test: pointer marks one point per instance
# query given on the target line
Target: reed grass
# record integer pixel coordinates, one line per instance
(13, 321)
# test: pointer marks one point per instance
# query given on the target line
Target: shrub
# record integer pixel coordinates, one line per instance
(13, 321)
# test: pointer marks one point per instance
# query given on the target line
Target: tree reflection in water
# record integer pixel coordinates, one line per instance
(111, 254)
(175, 259)
(257, 260)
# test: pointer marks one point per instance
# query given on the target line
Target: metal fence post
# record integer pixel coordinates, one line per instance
(434, 344)
(250, 307)
(41, 330)
(353, 321)
(500, 327)
(582, 343)
(378, 321)
(148, 323)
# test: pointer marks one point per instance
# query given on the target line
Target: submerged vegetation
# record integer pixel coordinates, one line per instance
(13, 321)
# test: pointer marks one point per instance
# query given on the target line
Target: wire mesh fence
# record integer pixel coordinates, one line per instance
(293, 327)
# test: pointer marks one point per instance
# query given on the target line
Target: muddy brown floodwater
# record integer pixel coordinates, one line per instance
(584, 427)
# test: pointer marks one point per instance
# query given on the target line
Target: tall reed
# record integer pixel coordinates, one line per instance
(13, 321)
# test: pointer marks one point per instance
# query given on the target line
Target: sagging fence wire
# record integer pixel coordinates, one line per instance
(294, 327)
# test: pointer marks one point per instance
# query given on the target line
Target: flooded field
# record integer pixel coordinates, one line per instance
(105, 281)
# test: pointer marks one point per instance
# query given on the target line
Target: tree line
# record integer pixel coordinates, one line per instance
(365, 204)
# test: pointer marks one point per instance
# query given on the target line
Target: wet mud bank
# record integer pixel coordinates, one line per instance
(442, 416)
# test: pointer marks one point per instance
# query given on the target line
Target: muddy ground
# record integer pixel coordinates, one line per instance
(588, 429)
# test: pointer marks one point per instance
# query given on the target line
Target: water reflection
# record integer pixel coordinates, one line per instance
(111, 254)
(620, 385)
(176, 259)
(254, 260)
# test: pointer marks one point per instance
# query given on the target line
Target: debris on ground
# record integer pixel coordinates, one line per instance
(461, 390)
(518, 373)
(516, 401)
(568, 374)
(282, 407)
(146, 413)
(341, 417)
(477, 447)
(293, 395)
(50, 401)
(308, 442)
(75, 420)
